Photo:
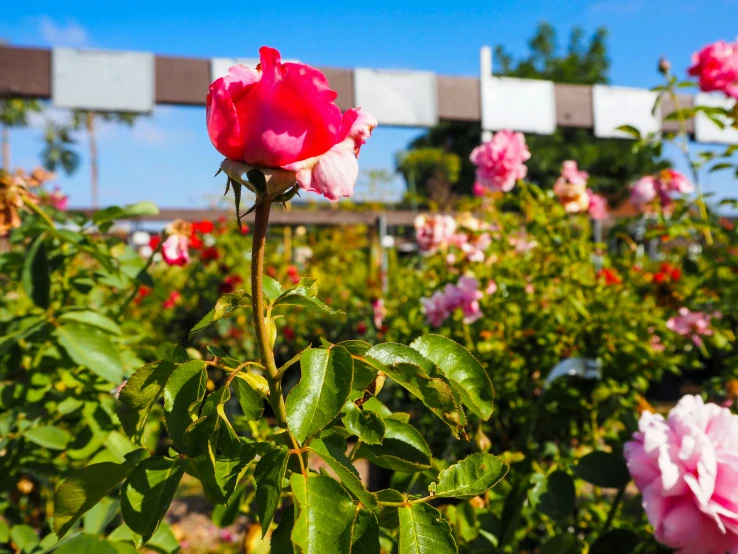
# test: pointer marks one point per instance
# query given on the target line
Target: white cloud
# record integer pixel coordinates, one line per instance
(69, 33)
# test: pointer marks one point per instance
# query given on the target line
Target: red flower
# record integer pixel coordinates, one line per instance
(245, 229)
(195, 242)
(143, 292)
(209, 253)
(271, 271)
(289, 334)
(154, 241)
(667, 272)
(203, 227)
(293, 274)
(169, 303)
(361, 328)
(610, 276)
(229, 284)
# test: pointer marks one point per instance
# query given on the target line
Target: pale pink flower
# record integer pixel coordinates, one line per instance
(175, 250)
(476, 247)
(597, 206)
(571, 188)
(379, 312)
(716, 67)
(521, 243)
(692, 324)
(491, 287)
(660, 186)
(464, 295)
(434, 231)
(434, 308)
(500, 162)
(283, 115)
(58, 199)
(686, 468)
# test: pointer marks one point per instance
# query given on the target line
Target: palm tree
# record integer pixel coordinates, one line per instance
(59, 151)
(14, 113)
(87, 119)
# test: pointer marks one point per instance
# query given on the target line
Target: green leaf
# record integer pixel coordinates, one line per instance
(251, 402)
(224, 306)
(27, 327)
(616, 541)
(323, 389)
(281, 541)
(220, 475)
(403, 449)
(462, 369)
(139, 395)
(91, 347)
(48, 436)
(364, 372)
(271, 287)
(388, 517)
(557, 498)
(100, 515)
(420, 376)
(512, 510)
(86, 487)
(269, 474)
(364, 423)
(562, 544)
(324, 515)
(304, 295)
(603, 469)
(24, 537)
(423, 530)
(472, 476)
(147, 494)
(331, 450)
(104, 218)
(93, 319)
(629, 129)
(365, 532)
(183, 394)
(35, 276)
(89, 544)
(225, 515)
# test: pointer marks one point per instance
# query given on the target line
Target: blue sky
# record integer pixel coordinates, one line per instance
(168, 158)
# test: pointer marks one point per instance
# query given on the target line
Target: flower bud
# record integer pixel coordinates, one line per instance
(664, 66)
(482, 441)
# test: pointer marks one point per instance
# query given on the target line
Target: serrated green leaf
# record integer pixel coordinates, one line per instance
(225, 515)
(91, 347)
(364, 372)
(24, 537)
(271, 287)
(603, 469)
(48, 436)
(183, 394)
(86, 487)
(332, 453)
(403, 448)
(35, 275)
(281, 540)
(147, 494)
(411, 370)
(223, 307)
(140, 393)
(304, 295)
(323, 389)
(364, 423)
(472, 476)
(269, 474)
(93, 319)
(219, 475)
(251, 402)
(324, 515)
(423, 530)
(89, 544)
(462, 369)
(364, 532)
(630, 130)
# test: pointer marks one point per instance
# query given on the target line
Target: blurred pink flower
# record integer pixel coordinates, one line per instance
(58, 199)
(716, 67)
(465, 295)
(571, 188)
(521, 243)
(692, 324)
(379, 312)
(500, 162)
(434, 308)
(686, 468)
(478, 189)
(171, 300)
(284, 115)
(476, 247)
(597, 206)
(434, 231)
(491, 287)
(655, 341)
(469, 297)
(175, 250)
(662, 185)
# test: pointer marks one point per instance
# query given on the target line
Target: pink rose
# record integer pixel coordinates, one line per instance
(597, 206)
(716, 67)
(379, 312)
(283, 115)
(571, 188)
(434, 308)
(500, 162)
(491, 287)
(686, 468)
(660, 186)
(59, 200)
(476, 247)
(434, 231)
(175, 250)
(465, 295)
(692, 324)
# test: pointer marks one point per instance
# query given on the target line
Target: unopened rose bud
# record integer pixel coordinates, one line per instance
(482, 441)
(664, 66)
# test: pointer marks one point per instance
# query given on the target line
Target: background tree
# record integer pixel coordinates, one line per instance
(14, 112)
(611, 163)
